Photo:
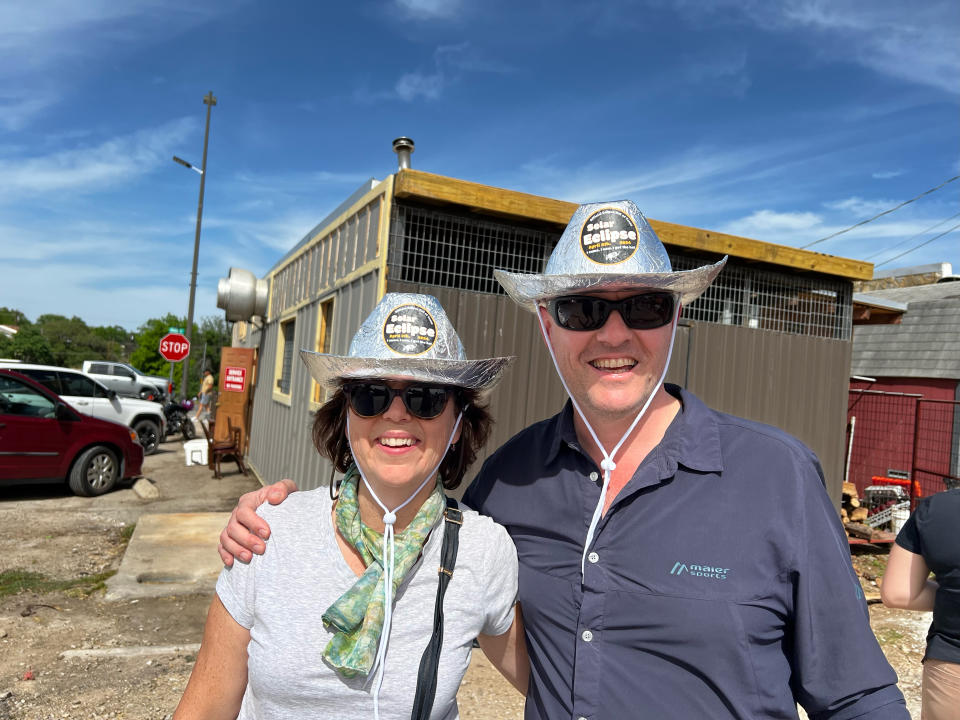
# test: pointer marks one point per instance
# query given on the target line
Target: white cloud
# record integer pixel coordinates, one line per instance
(95, 167)
(410, 86)
(859, 207)
(769, 224)
(429, 9)
(47, 45)
(887, 174)
(450, 62)
(18, 107)
(915, 42)
(723, 74)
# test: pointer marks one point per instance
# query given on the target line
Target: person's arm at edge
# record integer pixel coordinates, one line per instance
(905, 583)
(508, 653)
(219, 678)
(246, 531)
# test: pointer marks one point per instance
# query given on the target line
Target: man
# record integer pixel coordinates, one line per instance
(675, 562)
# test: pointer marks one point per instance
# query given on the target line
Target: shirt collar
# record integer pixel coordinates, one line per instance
(692, 440)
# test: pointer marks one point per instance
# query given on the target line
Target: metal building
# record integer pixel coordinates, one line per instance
(770, 340)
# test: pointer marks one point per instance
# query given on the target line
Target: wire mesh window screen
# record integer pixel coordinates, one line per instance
(437, 248)
(448, 250)
(769, 300)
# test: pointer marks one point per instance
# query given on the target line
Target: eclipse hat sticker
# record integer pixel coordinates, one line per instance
(409, 330)
(609, 236)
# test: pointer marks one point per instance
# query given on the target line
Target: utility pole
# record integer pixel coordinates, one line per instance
(209, 100)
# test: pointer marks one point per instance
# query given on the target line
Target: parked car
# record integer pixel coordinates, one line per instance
(91, 398)
(43, 439)
(128, 381)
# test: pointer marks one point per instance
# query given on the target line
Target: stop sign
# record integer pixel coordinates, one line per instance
(174, 347)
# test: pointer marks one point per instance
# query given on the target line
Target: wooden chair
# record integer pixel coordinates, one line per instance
(218, 449)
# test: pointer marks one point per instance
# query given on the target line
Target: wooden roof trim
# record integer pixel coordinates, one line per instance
(488, 199)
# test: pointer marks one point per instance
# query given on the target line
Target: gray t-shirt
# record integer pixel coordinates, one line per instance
(281, 596)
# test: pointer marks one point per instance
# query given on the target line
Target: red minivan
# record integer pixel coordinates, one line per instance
(42, 439)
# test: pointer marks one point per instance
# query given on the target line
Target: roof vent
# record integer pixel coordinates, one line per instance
(403, 146)
(242, 295)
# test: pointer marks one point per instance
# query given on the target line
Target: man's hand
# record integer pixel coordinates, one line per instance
(246, 530)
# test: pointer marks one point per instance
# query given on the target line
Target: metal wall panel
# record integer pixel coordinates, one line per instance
(281, 445)
(793, 382)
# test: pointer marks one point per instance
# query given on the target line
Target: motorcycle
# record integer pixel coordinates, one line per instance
(178, 418)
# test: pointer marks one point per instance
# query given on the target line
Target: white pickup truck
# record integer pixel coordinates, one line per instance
(88, 396)
(126, 380)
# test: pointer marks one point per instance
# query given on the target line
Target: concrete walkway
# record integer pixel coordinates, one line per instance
(170, 554)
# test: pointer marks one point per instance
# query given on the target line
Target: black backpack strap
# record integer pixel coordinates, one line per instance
(427, 675)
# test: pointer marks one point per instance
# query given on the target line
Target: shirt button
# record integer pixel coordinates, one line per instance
(581, 718)
(587, 636)
(593, 557)
(594, 476)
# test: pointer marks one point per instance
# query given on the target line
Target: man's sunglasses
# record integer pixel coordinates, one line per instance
(369, 399)
(639, 312)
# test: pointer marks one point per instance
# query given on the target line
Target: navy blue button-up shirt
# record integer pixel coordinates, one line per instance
(718, 585)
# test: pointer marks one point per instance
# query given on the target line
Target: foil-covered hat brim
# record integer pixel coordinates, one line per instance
(527, 289)
(330, 370)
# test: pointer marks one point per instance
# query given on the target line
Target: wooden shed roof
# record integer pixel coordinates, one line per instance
(416, 184)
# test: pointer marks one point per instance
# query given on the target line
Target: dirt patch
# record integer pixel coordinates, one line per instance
(902, 634)
(46, 530)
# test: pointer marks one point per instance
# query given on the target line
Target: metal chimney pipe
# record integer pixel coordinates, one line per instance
(403, 146)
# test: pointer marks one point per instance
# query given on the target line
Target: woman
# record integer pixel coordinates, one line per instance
(333, 619)
(929, 541)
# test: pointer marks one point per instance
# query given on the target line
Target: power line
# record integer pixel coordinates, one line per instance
(917, 247)
(912, 237)
(885, 212)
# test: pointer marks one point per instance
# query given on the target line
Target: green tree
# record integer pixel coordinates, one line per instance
(211, 335)
(118, 342)
(70, 339)
(146, 357)
(27, 345)
(9, 316)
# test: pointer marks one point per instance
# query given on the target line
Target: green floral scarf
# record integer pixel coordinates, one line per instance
(357, 616)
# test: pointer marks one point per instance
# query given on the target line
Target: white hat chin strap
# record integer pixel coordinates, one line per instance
(389, 518)
(607, 464)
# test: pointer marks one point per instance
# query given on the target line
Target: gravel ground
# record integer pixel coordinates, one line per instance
(48, 531)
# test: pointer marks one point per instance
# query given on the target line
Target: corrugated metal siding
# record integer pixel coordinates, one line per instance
(340, 252)
(281, 443)
(793, 382)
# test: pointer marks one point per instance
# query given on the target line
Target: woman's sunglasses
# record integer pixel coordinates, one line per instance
(639, 312)
(369, 399)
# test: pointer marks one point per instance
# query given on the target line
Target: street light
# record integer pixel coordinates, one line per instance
(209, 100)
(187, 165)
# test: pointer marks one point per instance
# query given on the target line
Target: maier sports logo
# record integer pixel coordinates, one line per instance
(704, 571)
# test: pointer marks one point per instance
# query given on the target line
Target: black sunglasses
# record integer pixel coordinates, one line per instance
(369, 399)
(639, 312)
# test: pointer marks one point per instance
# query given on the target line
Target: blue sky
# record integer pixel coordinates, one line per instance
(782, 120)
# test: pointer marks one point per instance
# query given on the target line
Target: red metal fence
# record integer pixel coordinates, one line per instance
(903, 437)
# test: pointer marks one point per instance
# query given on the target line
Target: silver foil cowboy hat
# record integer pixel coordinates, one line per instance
(607, 246)
(407, 336)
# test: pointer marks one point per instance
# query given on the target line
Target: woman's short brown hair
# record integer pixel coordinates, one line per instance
(330, 434)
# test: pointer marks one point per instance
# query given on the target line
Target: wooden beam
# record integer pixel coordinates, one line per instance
(485, 198)
(720, 243)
